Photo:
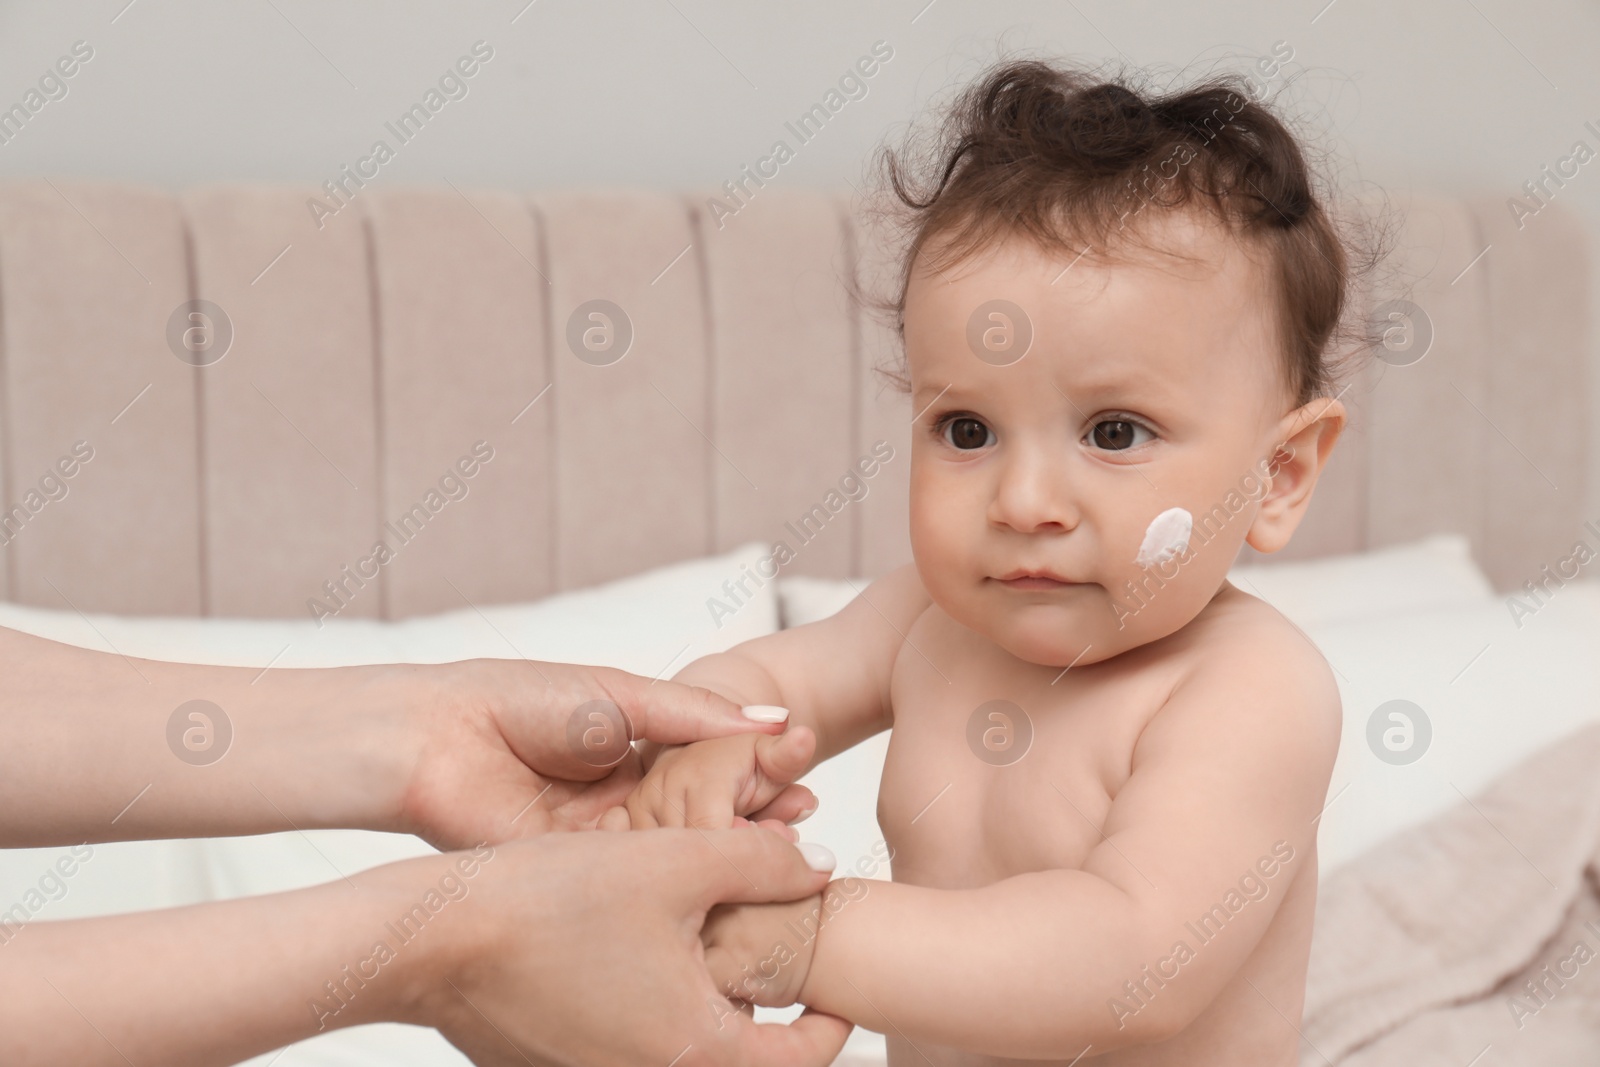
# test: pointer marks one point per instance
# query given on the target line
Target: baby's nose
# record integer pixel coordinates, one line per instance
(1034, 496)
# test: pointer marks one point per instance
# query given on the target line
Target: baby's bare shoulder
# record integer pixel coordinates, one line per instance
(1249, 671)
(901, 592)
(1237, 627)
(874, 625)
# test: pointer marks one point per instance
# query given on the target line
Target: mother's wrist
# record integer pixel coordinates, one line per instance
(343, 743)
(410, 711)
(389, 952)
(436, 895)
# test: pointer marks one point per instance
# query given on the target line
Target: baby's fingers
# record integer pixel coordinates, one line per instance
(783, 830)
(649, 808)
(794, 804)
(785, 757)
(710, 808)
(779, 761)
(736, 980)
(724, 971)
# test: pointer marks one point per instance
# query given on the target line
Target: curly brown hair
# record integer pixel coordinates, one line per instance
(1064, 156)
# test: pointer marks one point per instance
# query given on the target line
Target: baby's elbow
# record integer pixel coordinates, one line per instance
(1130, 1022)
(1166, 1021)
(1117, 1022)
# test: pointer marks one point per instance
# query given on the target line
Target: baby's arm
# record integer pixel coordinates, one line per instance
(831, 675)
(1225, 782)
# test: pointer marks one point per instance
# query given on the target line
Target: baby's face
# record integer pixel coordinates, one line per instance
(1151, 383)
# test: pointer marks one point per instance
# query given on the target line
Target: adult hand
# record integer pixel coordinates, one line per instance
(514, 748)
(585, 949)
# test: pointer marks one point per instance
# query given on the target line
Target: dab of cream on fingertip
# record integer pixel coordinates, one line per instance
(765, 713)
(1167, 536)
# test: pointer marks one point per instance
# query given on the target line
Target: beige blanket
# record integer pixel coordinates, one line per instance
(1473, 939)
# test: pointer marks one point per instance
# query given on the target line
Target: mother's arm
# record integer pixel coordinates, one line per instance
(573, 948)
(102, 747)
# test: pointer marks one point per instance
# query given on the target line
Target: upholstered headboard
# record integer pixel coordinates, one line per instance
(370, 354)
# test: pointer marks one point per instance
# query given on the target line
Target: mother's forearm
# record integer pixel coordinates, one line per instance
(217, 983)
(100, 747)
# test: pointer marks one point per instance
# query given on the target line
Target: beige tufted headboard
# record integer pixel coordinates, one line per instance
(371, 355)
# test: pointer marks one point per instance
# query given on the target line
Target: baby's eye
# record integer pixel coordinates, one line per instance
(967, 433)
(1117, 435)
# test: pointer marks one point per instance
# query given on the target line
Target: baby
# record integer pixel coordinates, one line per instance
(1106, 763)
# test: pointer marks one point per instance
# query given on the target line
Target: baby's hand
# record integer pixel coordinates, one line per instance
(712, 785)
(761, 953)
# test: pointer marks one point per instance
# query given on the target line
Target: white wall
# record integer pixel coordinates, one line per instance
(1437, 94)
(675, 93)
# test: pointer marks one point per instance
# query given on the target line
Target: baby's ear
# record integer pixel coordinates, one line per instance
(1307, 436)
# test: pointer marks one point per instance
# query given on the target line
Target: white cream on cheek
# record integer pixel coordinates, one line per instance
(1167, 536)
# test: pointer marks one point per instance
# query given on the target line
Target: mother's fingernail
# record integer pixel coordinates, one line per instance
(804, 815)
(818, 857)
(765, 713)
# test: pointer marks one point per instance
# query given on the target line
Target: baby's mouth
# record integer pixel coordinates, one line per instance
(1035, 581)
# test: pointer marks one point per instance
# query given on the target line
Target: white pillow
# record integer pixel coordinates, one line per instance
(1435, 572)
(650, 624)
(1492, 693)
(641, 623)
(803, 600)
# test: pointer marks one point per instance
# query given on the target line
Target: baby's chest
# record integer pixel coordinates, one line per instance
(984, 780)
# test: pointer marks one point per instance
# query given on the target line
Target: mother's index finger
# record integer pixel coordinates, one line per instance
(674, 713)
